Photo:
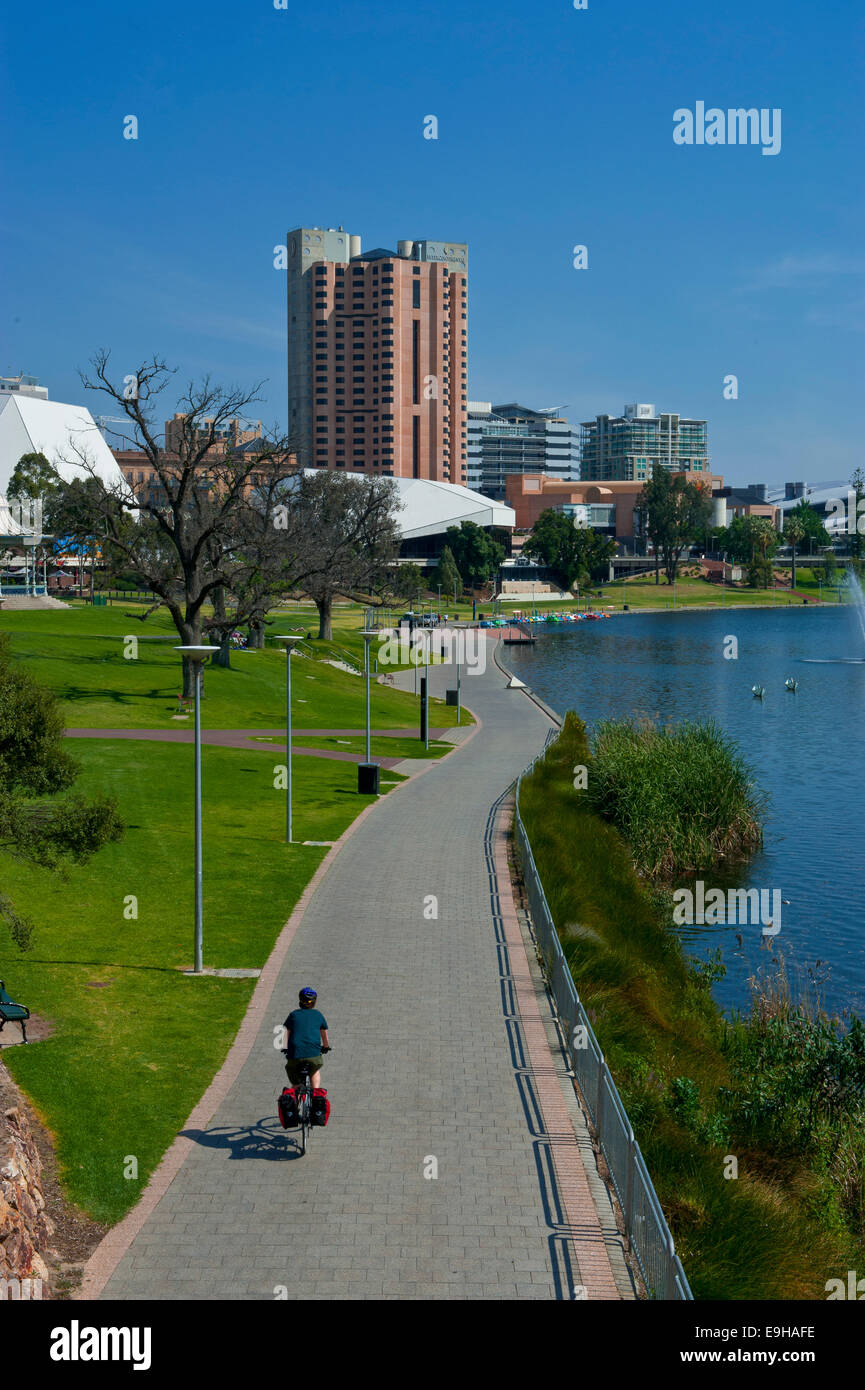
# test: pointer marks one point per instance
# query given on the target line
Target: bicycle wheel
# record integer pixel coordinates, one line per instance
(304, 1116)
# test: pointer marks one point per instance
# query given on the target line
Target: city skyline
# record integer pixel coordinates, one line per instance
(702, 263)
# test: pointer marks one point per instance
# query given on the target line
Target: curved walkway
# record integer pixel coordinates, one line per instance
(450, 1167)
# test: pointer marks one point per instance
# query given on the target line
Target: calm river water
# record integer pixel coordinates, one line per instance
(806, 750)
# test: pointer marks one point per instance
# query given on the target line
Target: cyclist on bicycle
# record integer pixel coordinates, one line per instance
(305, 1039)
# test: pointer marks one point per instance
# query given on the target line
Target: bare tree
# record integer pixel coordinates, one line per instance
(354, 524)
(214, 528)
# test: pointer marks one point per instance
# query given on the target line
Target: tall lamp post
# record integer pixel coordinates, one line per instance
(458, 709)
(411, 617)
(289, 642)
(197, 655)
(426, 647)
(367, 773)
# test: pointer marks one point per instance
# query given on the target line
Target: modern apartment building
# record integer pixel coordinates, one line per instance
(377, 355)
(628, 447)
(512, 438)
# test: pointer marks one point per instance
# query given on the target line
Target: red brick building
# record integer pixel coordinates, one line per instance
(377, 355)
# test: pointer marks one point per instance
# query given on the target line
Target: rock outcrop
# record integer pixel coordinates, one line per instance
(25, 1227)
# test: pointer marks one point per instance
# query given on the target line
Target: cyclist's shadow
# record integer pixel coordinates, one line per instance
(266, 1139)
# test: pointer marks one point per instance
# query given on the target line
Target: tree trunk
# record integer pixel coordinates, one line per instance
(190, 636)
(222, 655)
(657, 567)
(325, 626)
(256, 635)
(793, 577)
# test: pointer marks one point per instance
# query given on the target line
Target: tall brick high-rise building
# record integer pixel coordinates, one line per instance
(377, 355)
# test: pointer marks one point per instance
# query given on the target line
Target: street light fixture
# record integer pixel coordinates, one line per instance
(290, 642)
(197, 655)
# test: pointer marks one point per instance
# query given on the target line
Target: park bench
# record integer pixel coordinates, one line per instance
(10, 1012)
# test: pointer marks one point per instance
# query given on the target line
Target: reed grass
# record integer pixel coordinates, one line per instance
(681, 795)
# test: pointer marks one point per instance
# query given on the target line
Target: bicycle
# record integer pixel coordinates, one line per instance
(303, 1099)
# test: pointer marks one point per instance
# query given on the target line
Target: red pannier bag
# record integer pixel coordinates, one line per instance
(320, 1107)
(287, 1105)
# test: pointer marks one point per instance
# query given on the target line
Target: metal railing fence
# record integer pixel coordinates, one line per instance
(648, 1233)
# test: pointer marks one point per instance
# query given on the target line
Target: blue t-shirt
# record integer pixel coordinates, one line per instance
(304, 1032)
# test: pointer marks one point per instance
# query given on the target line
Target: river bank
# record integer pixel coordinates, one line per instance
(751, 1127)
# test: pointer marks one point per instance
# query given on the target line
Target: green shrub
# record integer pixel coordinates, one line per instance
(681, 795)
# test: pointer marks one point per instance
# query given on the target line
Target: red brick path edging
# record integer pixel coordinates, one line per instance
(572, 1182)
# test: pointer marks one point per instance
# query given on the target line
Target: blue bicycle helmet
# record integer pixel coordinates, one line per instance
(308, 993)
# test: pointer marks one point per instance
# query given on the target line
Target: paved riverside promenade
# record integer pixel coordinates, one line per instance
(441, 1065)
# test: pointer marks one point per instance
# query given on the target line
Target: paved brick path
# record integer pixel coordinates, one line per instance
(442, 1035)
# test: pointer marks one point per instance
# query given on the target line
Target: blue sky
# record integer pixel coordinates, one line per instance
(555, 128)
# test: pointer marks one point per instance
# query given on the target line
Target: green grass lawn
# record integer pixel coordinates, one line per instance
(79, 654)
(137, 1043)
(380, 747)
(690, 592)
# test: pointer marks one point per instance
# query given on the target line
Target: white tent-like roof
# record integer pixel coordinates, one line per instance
(430, 507)
(29, 425)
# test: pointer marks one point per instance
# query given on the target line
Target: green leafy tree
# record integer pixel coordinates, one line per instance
(748, 538)
(38, 825)
(406, 581)
(33, 476)
(735, 540)
(830, 567)
(447, 576)
(811, 524)
(759, 572)
(575, 554)
(794, 534)
(764, 538)
(476, 555)
(764, 543)
(674, 514)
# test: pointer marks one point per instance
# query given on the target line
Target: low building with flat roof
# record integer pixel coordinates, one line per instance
(610, 507)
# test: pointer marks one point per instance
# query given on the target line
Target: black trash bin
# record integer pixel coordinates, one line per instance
(367, 779)
(452, 697)
(625, 608)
